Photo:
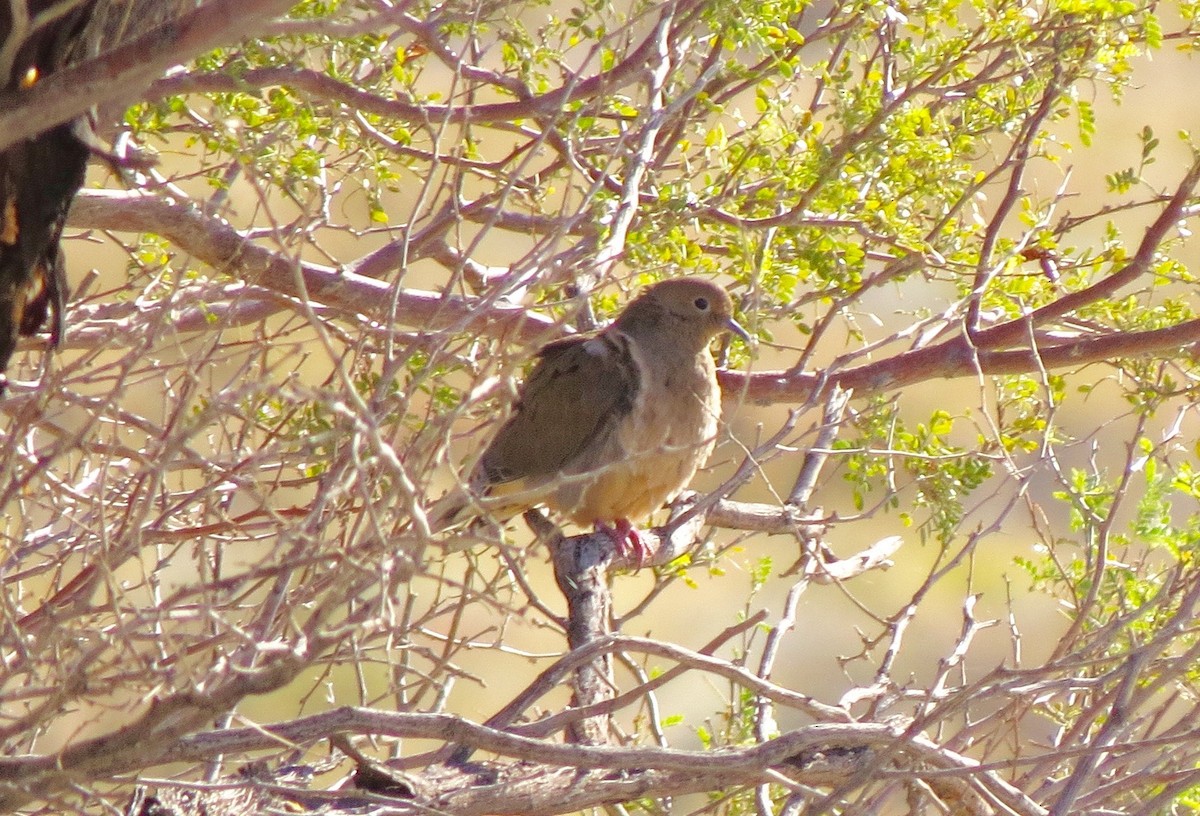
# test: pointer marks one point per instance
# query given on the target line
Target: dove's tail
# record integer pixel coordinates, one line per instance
(450, 511)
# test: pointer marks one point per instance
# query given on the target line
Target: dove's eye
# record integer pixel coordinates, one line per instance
(701, 304)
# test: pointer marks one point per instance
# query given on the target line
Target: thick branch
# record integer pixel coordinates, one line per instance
(581, 572)
(221, 246)
(958, 358)
(120, 74)
(822, 754)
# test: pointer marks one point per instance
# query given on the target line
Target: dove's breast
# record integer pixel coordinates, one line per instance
(653, 452)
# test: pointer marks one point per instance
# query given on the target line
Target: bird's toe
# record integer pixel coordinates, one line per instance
(628, 542)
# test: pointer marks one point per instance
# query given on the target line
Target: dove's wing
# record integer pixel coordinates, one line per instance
(573, 400)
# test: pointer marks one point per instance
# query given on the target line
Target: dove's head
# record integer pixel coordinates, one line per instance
(688, 311)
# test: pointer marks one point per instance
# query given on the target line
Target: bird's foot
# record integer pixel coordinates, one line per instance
(628, 541)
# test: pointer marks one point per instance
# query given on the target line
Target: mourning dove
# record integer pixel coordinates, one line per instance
(610, 426)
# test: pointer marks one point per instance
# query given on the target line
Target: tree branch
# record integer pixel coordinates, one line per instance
(314, 83)
(119, 75)
(958, 358)
(219, 245)
(820, 754)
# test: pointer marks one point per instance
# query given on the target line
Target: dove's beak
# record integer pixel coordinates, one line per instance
(735, 327)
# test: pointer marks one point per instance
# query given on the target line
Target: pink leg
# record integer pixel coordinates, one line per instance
(627, 540)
